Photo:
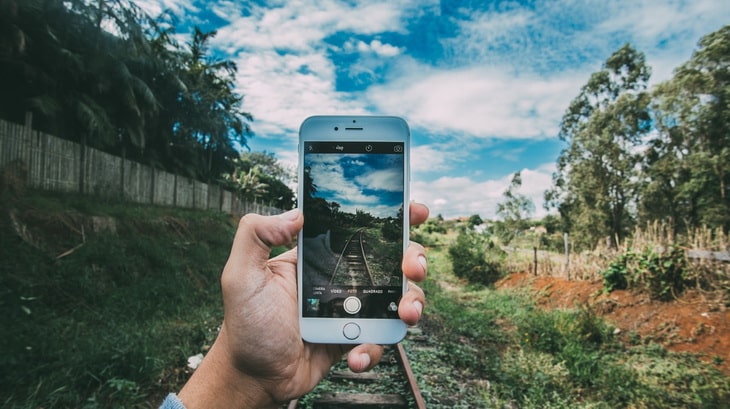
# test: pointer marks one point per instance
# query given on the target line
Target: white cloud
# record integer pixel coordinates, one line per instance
(477, 101)
(461, 196)
(376, 47)
(177, 7)
(510, 72)
(434, 157)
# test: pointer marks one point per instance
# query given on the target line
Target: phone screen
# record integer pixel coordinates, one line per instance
(353, 198)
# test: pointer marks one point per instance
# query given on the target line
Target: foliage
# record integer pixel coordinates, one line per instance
(474, 220)
(517, 354)
(662, 275)
(686, 164)
(475, 258)
(105, 74)
(515, 210)
(113, 321)
(635, 157)
(259, 176)
(595, 183)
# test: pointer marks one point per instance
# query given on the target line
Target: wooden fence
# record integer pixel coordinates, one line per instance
(50, 163)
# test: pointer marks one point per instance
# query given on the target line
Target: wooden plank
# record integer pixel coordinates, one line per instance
(709, 255)
(359, 401)
(365, 377)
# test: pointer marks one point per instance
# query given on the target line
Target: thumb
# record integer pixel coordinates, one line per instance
(256, 235)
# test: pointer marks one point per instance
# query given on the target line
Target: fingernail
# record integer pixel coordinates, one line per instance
(365, 361)
(418, 306)
(423, 262)
(291, 215)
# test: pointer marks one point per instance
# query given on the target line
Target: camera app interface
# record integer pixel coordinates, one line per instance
(353, 229)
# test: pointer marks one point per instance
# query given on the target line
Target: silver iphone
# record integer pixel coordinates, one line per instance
(353, 192)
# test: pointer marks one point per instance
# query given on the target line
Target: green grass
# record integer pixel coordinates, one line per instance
(496, 348)
(112, 323)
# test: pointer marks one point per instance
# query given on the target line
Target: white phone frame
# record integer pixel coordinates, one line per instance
(339, 128)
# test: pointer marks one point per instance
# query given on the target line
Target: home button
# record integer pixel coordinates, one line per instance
(351, 331)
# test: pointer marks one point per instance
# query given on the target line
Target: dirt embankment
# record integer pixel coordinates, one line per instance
(692, 323)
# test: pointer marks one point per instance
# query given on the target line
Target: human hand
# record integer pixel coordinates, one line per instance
(259, 358)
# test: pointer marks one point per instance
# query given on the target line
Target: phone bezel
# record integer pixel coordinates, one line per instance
(342, 128)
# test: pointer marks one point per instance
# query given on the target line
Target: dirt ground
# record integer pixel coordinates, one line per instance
(693, 323)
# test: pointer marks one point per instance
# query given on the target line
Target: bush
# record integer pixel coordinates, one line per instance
(662, 275)
(475, 258)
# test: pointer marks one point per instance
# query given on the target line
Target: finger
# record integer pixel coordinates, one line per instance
(256, 235)
(418, 213)
(415, 264)
(364, 357)
(410, 308)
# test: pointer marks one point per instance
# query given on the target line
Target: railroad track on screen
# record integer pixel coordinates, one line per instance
(352, 267)
(393, 379)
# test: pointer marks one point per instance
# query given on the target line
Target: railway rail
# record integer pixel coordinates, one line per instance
(400, 390)
(352, 267)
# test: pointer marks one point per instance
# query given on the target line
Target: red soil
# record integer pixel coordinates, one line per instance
(691, 323)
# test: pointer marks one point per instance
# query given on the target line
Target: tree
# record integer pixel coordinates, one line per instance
(595, 185)
(260, 176)
(474, 220)
(515, 210)
(210, 111)
(687, 165)
(105, 74)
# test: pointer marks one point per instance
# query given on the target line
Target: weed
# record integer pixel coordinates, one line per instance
(99, 327)
(476, 258)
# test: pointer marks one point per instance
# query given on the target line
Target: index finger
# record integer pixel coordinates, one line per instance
(418, 213)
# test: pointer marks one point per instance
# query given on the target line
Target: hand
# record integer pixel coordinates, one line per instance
(259, 358)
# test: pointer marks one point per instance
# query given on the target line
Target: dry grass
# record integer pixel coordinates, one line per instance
(655, 237)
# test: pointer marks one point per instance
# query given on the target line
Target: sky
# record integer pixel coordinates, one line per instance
(372, 183)
(482, 84)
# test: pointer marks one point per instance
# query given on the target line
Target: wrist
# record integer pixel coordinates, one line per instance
(218, 384)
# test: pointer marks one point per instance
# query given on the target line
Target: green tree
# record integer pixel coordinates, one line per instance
(595, 185)
(210, 108)
(103, 73)
(475, 258)
(687, 165)
(515, 210)
(260, 176)
(474, 220)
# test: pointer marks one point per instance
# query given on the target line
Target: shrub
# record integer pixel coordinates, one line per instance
(475, 258)
(662, 275)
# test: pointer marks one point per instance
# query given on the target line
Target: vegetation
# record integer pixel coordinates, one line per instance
(476, 258)
(596, 180)
(497, 349)
(102, 303)
(106, 75)
(634, 156)
(515, 211)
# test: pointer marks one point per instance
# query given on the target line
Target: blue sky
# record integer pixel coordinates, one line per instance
(482, 84)
(372, 183)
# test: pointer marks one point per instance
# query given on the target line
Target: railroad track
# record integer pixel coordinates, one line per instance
(352, 267)
(392, 386)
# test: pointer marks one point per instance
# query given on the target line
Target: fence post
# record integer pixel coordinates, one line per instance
(534, 251)
(566, 240)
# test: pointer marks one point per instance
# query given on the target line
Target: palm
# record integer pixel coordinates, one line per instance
(269, 346)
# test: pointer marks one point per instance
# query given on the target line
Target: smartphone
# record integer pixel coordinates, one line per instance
(353, 191)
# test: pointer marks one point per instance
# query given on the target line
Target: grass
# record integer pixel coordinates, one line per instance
(101, 303)
(497, 349)
(111, 323)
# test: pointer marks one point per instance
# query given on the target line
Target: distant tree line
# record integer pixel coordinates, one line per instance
(105, 74)
(636, 155)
